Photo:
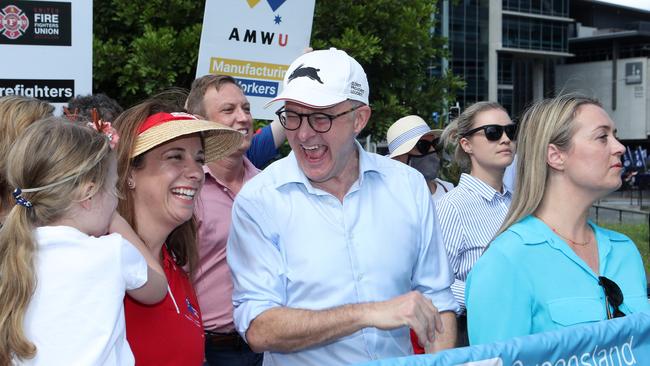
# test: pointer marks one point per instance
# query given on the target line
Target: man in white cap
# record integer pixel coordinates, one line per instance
(336, 252)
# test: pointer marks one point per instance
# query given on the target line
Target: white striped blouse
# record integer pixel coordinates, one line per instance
(469, 216)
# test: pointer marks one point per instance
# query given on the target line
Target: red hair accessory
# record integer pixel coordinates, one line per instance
(105, 128)
(71, 115)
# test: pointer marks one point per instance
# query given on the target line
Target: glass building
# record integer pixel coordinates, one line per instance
(506, 49)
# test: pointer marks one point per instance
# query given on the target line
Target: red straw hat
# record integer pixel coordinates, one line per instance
(219, 140)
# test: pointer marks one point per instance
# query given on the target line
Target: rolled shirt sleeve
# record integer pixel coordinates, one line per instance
(258, 271)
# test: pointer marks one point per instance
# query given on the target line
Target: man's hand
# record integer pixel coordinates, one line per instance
(412, 310)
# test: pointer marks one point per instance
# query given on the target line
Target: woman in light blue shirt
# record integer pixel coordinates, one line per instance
(471, 213)
(550, 267)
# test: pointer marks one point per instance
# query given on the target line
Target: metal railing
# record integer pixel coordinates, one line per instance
(620, 211)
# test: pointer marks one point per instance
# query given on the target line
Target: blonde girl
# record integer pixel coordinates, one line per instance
(16, 114)
(62, 279)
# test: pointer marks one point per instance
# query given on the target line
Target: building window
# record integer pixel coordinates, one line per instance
(545, 7)
(469, 48)
(534, 34)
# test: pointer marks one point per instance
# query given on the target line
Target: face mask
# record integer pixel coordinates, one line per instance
(426, 164)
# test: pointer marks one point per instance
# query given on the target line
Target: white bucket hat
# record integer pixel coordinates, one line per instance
(323, 78)
(405, 133)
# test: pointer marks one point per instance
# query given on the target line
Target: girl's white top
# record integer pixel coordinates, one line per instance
(76, 316)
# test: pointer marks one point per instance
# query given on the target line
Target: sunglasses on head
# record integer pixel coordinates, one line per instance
(494, 132)
(424, 146)
(613, 297)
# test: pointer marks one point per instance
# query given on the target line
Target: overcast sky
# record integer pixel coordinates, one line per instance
(641, 4)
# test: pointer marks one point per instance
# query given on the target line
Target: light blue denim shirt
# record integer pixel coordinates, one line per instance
(530, 281)
(293, 245)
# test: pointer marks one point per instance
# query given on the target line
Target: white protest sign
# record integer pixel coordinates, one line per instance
(254, 41)
(46, 49)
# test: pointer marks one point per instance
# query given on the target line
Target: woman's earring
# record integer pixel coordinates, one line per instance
(130, 184)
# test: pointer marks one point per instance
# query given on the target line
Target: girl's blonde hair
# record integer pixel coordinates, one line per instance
(50, 161)
(460, 126)
(550, 121)
(16, 113)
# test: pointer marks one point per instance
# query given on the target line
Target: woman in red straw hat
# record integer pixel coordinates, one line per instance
(160, 158)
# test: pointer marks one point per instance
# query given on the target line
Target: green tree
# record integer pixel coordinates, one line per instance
(142, 47)
(394, 42)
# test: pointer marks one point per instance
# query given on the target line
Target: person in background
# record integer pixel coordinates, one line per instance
(160, 165)
(412, 142)
(16, 114)
(509, 176)
(470, 215)
(55, 255)
(81, 107)
(334, 252)
(219, 98)
(549, 267)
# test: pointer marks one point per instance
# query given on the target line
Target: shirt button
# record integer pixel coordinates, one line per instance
(360, 277)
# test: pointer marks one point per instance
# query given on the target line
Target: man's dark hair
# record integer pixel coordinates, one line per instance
(107, 108)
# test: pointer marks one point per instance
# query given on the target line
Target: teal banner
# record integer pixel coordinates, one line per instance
(616, 342)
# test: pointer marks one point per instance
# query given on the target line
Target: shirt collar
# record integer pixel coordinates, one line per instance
(249, 171)
(483, 189)
(534, 231)
(292, 173)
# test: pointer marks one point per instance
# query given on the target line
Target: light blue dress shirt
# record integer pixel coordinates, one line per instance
(530, 281)
(293, 245)
(469, 216)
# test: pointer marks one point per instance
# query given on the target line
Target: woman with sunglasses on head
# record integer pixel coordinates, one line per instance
(412, 142)
(472, 212)
(549, 267)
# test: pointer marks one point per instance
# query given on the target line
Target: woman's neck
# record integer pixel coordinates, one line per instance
(493, 178)
(432, 186)
(154, 242)
(566, 210)
(152, 234)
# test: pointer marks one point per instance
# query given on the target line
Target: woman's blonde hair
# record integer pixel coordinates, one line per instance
(460, 126)
(182, 241)
(16, 113)
(550, 121)
(51, 161)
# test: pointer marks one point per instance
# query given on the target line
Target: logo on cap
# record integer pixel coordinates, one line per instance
(301, 71)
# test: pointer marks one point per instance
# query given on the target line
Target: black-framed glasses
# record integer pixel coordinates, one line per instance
(494, 132)
(424, 146)
(319, 122)
(613, 297)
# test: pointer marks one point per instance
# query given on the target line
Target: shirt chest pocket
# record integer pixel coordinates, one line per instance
(576, 310)
(635, 304)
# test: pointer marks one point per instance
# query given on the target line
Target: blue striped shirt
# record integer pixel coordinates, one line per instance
(469, 216)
